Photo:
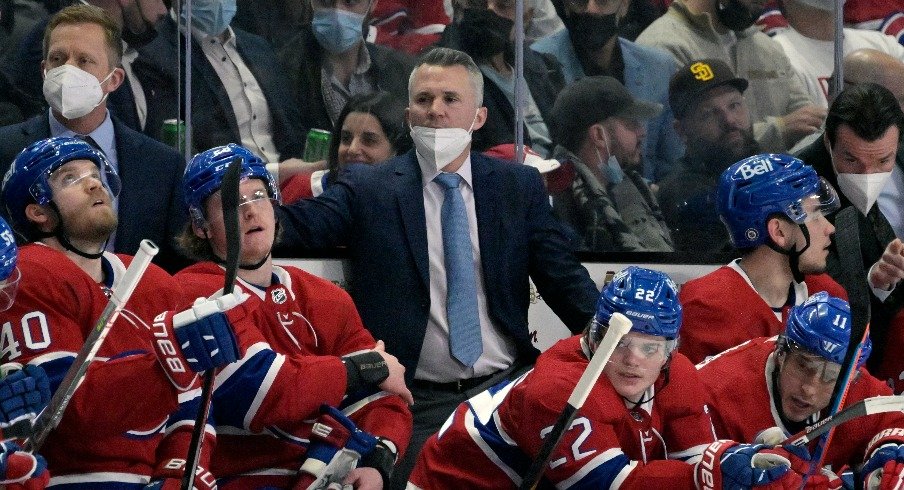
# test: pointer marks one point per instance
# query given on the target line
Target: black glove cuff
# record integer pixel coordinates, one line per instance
(381, 459)
(364, 370)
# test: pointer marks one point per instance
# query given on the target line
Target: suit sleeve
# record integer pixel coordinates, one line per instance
(562, 281)
(318, 223)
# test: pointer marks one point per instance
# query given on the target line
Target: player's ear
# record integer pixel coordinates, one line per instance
(43, 218)
(200, 231)
(777, 231)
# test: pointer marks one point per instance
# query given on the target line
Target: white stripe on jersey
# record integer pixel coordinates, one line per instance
(593, 464)
(230, 369)
(99, 477)
(264, 389)
(622, 475)
(358, 405)
(487, 450)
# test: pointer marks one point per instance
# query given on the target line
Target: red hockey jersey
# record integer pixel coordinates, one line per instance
(264, 404)
(739, 386)
(110, 430)
(491, 439)
(722, 310)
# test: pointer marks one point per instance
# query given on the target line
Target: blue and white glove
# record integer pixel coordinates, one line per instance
(198, 339)
(335, 449)
(885, 467)
(24, 392)
(729, 465)
(20, 469)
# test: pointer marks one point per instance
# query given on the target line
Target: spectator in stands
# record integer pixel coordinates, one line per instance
(277, 21)
(780, 109)
(544, 20)
(507, 152)
(809, 43)
(409, 26)
(484, 30)
(713, 119)
(857, 154)
(591, 45)
(775, 209)
(81, 67)
(328, 62)
(870, 65)
(239, 91)
(370, 130)
(599, 128)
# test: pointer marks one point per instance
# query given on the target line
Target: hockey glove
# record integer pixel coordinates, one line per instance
(168, 476)
(729, 465)
(24, 392)
(884, 467)
(19, 469)
(335, 448)
(801, 462)
(197, 339)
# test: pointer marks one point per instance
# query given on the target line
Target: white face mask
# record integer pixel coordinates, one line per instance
(863, 189)
(72, 91)
(439, 146)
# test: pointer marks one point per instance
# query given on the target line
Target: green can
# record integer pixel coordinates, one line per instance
(317, 145)
(173, 134)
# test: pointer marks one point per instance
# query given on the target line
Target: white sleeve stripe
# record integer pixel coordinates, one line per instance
(490, 454)
(189, 395)
(51, 356)
(688, 454)
(591, 465)
(230, 369)
(358, 405)
(264, 389)
(429, 29)
(622, 475)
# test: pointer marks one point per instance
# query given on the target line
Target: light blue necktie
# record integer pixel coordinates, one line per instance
(465, 342)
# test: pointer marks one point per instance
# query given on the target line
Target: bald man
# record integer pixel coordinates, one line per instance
(871, 65)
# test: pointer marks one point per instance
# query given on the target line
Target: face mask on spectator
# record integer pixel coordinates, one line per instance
(337, 30)
(734, 15)
(611, 168)
(212, 17)
(483, 33)
(863, 189)
(439, 146)
(71, 91)
(590, 32)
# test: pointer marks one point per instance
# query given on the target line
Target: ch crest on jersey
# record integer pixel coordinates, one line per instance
(279, 295)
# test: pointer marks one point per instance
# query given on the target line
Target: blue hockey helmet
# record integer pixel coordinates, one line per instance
(9, 274)
(757, 187)
(648, 298)
(27, 180)
(822, 326)
(204, 176)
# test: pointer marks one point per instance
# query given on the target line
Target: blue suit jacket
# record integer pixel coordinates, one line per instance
(378, 212)
(150, 204)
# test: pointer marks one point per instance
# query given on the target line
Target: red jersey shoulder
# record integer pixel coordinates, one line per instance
(310, 288)
(736, 368)
(684, 393)
(824, 282)
(708, 284)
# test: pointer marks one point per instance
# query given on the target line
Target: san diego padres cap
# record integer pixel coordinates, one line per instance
(697, 77)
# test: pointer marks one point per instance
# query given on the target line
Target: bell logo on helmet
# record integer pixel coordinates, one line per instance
(702, 71)
(754, 168)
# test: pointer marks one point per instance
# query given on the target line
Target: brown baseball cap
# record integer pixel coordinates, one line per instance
(689, 83)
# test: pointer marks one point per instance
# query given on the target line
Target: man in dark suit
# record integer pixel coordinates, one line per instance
(393, 218)
(84, 42)
(239, 92)
(857, 154)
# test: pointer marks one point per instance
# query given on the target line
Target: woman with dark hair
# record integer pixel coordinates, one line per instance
(370, 129)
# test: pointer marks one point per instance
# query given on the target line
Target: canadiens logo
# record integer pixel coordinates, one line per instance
(279, 296)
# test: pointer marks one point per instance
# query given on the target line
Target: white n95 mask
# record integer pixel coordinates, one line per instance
(863, 189)
(439, 146)
(71, 91)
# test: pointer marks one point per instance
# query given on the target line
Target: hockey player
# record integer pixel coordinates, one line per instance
(305, 345)
(23, 392)
(774, 207)
(58, 193)
(645, 424)
(787, 382)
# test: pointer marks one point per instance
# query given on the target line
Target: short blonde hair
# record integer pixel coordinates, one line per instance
(88, 14)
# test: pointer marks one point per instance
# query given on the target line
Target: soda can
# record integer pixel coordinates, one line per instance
(317, 145)
(173, 133)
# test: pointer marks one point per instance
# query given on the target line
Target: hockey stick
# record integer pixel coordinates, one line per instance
(853, 279)
(229, 195)
(867, 406)
(48, 419)
(619, 325)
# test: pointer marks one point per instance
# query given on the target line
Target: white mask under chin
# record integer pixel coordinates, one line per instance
(72, 91)
(863, 189)
(439, 146)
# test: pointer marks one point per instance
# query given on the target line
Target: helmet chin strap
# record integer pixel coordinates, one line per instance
(60, 234)
(793, 254)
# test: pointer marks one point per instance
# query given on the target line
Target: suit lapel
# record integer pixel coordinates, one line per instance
(486, 199)
(128, 156)
(410, 196)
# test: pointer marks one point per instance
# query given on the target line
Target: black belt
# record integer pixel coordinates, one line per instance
(459, 386)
